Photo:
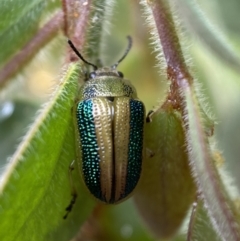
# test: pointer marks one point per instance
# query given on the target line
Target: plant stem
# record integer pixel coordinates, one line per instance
(76, 23)
(182, 95)
(44, 36)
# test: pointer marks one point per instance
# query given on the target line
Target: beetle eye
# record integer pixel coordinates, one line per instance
(92, 75)
(120, 74)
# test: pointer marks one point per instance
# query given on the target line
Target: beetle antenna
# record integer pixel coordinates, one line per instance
(126, 52)
(80, 56)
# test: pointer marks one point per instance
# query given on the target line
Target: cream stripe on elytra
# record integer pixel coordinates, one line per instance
(121, 142)
(103, 127)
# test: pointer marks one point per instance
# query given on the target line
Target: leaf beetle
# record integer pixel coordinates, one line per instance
(109, 122)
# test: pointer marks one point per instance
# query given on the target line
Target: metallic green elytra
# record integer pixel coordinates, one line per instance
(110, 131)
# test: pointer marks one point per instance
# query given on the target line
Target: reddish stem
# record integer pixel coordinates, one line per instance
(177, 70)
(76, 17)
(44, 35)
(176, 67)
(181, 82)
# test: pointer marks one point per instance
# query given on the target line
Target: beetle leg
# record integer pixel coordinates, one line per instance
(149, 153)
(73, 191)
(149, 116)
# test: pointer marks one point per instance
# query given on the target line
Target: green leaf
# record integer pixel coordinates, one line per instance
(19, 22)
(166, 175)
(35, 189)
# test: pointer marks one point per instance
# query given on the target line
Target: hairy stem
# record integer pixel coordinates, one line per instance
(76, 23)
(220, 208)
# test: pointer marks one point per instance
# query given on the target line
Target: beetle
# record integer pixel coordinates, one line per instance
(109, 125)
